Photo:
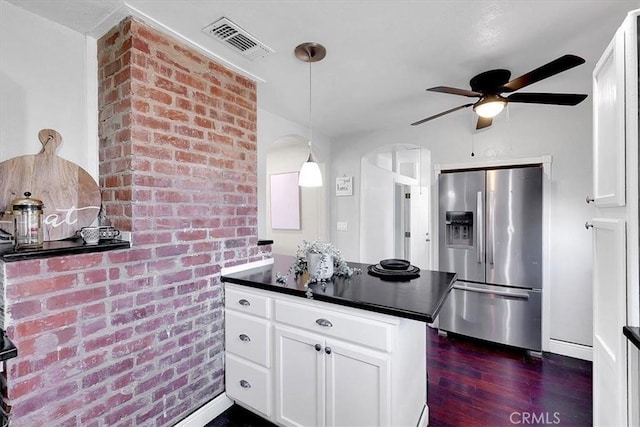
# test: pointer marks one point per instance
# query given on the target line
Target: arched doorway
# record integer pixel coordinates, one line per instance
(285, 156)
(395, 206)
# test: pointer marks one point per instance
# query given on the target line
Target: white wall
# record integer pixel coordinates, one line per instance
(524, 131)
(48, 80)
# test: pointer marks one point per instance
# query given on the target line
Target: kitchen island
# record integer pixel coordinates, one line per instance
(344, 352)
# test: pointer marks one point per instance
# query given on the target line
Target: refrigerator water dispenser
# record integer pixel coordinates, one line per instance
(459, 229)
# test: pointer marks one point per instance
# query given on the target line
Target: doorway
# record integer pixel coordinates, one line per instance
(395, 205)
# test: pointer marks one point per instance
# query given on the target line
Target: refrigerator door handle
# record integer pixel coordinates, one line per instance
(480, 227)
(518, 295)
(491, 228)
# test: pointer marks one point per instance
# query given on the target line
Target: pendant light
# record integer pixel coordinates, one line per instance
(310, 175)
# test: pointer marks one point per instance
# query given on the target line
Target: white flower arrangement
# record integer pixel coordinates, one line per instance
(328, 253)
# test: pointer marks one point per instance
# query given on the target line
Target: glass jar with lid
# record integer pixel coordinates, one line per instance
(27, 222)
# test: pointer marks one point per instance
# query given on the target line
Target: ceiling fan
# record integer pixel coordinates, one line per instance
(490, 85)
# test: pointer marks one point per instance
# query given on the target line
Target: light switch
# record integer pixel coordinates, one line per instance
(341, 226)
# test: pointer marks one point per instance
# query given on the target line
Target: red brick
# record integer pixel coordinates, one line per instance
(40, 286)
(20, 310)
(21, 269)
(77, 262)
(47, 323)
(79, 297)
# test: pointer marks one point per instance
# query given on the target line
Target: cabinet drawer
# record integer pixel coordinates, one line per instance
(248, 384)
(247, 336)
(360, 330)
(247, 302)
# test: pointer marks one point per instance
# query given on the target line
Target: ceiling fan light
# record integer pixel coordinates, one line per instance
(310, 175)
(489, 107)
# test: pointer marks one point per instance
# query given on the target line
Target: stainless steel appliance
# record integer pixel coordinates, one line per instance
(490, 228)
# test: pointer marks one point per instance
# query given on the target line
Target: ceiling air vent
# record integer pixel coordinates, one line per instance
(238, 39)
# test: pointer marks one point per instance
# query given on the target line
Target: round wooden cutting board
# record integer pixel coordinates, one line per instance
(70, 195)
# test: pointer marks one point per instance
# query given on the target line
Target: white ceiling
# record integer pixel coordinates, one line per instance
(381, 55)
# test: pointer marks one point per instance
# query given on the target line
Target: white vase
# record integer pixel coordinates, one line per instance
(320, 266)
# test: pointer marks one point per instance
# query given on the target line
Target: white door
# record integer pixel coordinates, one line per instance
(420, 234)
(609, 316)
(300, 376)
(609, 126)
(358, 382)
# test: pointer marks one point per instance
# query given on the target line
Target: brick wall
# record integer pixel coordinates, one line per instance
(135, 337)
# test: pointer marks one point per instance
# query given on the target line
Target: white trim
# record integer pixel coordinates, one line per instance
(160, 26)
(127, 10)
(246, 266)
(208, 412)
(570, 349)
(91, 95)
(493, 163)
(109, 22)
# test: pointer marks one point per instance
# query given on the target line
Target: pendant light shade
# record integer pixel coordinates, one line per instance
(310, 175)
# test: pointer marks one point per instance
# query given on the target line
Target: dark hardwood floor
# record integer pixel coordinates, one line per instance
(474, 383)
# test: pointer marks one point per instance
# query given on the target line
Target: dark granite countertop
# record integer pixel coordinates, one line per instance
(419, 299)
(633, 334)
(59, 248)
(8, 350)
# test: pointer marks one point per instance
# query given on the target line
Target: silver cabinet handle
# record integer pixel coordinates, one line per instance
(587, 225)
(244, 337)
(245, 384)
(318, 347)
(589, 199)
(244, 302)
(324, 322)
(327, 350)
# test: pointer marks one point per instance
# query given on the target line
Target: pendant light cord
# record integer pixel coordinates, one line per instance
(310, 112)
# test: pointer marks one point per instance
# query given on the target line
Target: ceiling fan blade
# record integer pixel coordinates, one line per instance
(548, 98)
(455, 91)
(483, 122)
(554, 67)
(441, 114)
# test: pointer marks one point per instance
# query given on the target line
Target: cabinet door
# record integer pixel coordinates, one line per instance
(609, 316)
(358, 386)
(609, 126)
(300, 373)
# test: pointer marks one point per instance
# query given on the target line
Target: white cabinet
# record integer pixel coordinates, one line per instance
(608, 125)
(616, 275)
(609, 293)
(248, 348)
(329, 382)
(309, 363)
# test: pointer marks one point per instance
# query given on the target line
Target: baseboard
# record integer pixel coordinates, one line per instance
(208, 412)
(570, 349)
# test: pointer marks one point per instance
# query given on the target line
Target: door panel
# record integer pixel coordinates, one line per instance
(609, 126)
(420, 220)
(357, 383)
(609, 316)
(299, 379)
(461, 194)
(514, 227)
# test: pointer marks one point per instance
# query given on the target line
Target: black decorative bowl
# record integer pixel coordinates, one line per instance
(395, 264)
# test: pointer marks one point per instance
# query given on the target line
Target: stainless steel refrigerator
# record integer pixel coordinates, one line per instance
(490, 234)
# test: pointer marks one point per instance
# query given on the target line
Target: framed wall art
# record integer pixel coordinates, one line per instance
(285, 201)
(344, 186)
